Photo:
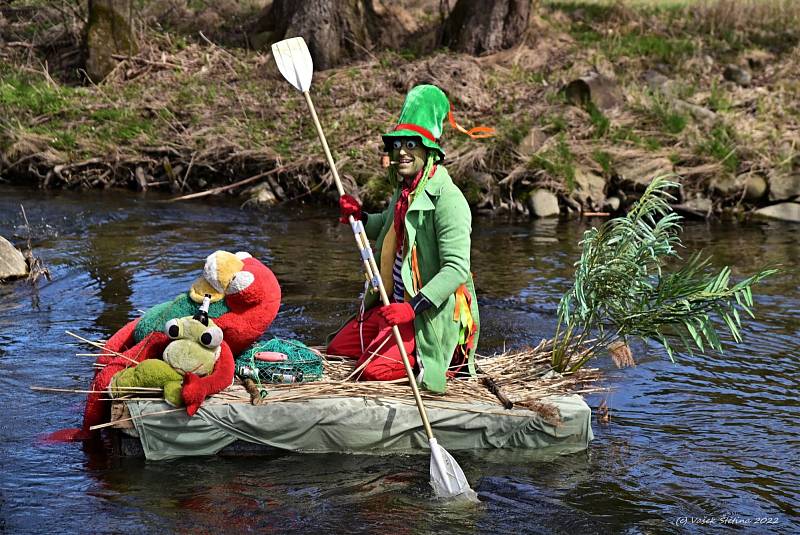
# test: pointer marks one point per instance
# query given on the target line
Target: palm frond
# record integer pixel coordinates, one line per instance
(622, 291)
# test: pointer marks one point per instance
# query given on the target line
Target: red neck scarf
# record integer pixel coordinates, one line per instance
(401, 207)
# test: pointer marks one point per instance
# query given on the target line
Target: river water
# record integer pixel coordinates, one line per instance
(708, 440)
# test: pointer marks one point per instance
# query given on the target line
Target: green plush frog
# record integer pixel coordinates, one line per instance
(194, 350)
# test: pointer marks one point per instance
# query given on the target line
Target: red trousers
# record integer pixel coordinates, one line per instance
(376, 342)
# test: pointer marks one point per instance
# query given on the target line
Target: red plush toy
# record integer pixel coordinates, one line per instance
(245, 297)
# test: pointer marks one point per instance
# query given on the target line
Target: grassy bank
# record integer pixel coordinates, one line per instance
(186, 114)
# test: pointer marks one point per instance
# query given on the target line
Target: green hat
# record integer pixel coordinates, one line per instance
(423, 115)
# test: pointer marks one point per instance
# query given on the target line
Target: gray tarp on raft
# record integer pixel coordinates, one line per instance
(357, 425)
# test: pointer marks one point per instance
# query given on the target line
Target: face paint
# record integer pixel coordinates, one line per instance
(410, 156)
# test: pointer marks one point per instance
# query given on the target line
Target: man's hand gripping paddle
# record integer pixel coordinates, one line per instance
(294, 62)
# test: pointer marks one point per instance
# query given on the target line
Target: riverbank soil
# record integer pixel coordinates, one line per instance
(596, 100)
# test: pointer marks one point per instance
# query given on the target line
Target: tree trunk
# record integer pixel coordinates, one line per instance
(108, 33)
(335, 30)
(483, 26)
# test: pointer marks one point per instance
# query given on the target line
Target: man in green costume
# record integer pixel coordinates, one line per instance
(422, 246)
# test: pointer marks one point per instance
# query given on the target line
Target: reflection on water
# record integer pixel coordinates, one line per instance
(700, 438)
(113, 278)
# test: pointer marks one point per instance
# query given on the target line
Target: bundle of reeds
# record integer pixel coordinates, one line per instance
(521, 379)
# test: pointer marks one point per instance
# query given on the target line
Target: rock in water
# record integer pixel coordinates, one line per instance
(727, 185)
(589, 189)
(785, 211)
(543, 203)
(640, 172)
(755, 187)
(784, 186)
(108, 33)
(613, 203)
(699, 204)
(12, 263)
(262, 195)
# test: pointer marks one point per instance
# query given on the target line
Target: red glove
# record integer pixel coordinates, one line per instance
(196, 389)
(193, 393)
(348, 206)
(397, 313)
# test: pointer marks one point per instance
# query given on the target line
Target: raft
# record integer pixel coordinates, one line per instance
(339, 415)
(352, 425)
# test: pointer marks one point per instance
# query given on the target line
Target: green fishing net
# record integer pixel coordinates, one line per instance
(302, 365)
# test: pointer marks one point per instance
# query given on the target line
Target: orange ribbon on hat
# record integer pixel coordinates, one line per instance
(477, 132)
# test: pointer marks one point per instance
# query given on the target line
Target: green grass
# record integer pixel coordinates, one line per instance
(594, 10)
(62, 140)
(589, 30)
(651, 47)
(283, 146)
(673, 121)
(623, 134)
(718, 100)
(606, 9)
(604, 160)
(509, 132)
(129, 128)
(22, 95)
(600, 122)
(555, 97)
(555, 123)
(187, 96)
(530, 77)
(721, 145)
(559, 162)
(725, 27)
(64, 114)
(120, 124)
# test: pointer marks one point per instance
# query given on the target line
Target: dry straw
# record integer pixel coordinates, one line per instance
(524, 376)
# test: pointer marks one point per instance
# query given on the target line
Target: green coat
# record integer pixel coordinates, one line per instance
(439, 223)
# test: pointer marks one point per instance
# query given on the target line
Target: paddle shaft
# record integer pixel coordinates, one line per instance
(371, 269)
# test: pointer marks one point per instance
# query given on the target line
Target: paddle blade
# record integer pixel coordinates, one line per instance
(447, 478)
(294, 62)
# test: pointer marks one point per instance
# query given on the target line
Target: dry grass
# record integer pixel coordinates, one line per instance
(186, 114)
(523, 376)
(720, 16)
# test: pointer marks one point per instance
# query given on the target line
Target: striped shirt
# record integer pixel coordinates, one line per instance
(398, 294)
